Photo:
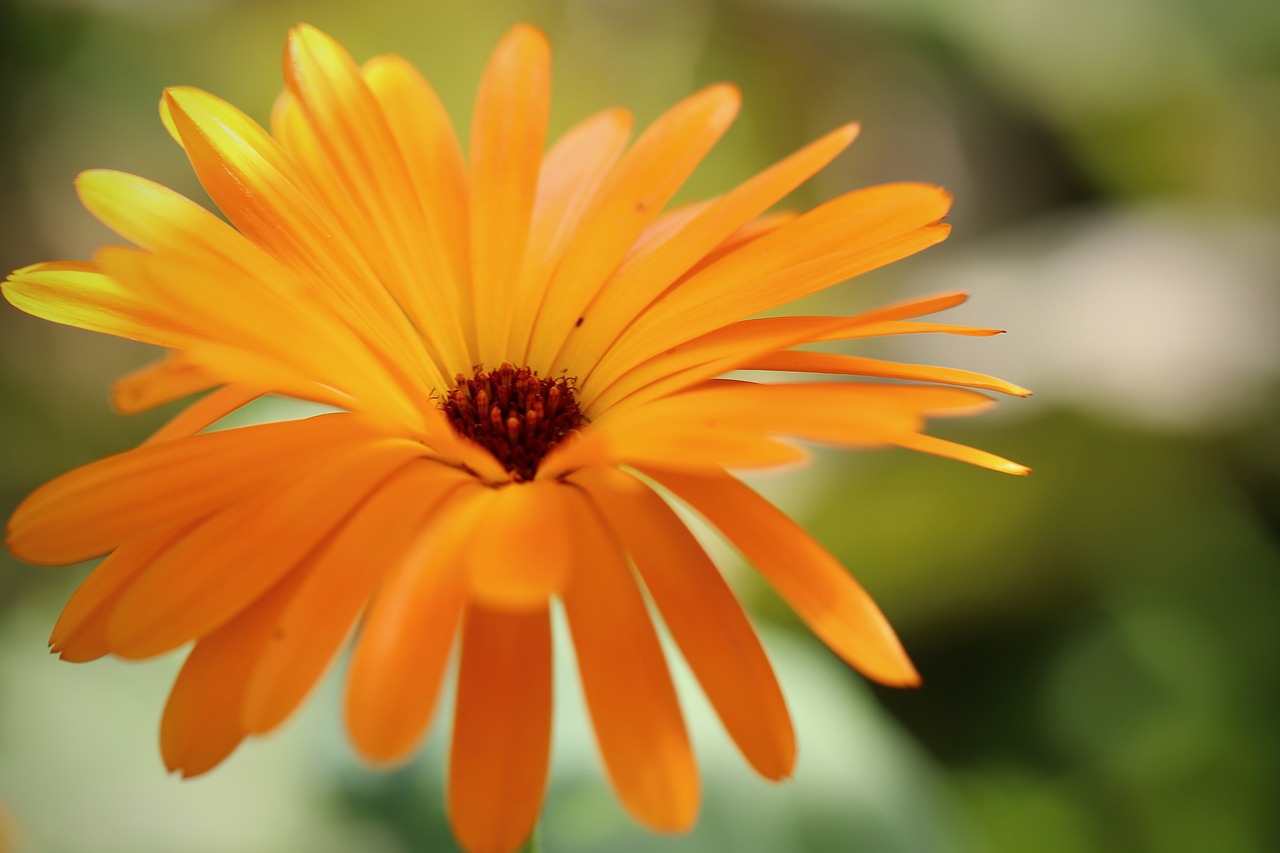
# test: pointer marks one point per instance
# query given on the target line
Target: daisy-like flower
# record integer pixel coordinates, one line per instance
(522, 345)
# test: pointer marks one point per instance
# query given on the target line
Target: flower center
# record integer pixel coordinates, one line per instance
(513, 414)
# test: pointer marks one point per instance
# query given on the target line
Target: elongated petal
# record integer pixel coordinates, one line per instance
(83, 295)
(404, 644)
(963, 453)
(259, 189)
(236, 555)
(823, 362)
(810, 580)
(429, 146)
(377, 541)
(732, 424)
(205, 412)
(633, 705)
(651, 438)
(159, 382)
(630, 292)
(811, 253)
(201, 724)
(194, 302)
(93, 509)
(729, 347)
(81, 631)
(572, 173)
(507, 136)
(360, 152)
(522, 545)
(501, 730)
(703, 616)
(649, 174)
(79, 294)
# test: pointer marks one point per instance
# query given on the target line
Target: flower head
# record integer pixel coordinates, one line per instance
(521, 345)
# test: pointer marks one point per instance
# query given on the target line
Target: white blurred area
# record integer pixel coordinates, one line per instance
(1162, 318)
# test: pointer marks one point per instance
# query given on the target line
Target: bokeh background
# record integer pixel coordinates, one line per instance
(1100, 642)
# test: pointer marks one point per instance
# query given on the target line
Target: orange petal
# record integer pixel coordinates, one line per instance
(824, 362)
(79, 294)
(951, 450)
(261, 323)
(359, 152)
(507, 136)
(704, 618)
(729, 347)
(231, 559)
(843, 238)
(628, 689)
(627, 294)
(404, 643)
(171, 378)
(261, 191)
(810, 580)
(749, 233)
(501, 730)
(201, 723)
(650, 437)
(95, 508)
(841, 413)
(733, 424)
(158, 219)
(522, 545)
(338, 586)
(572, 174)
(649, 174)
(80, 634)
(429, 146)
(205, 412)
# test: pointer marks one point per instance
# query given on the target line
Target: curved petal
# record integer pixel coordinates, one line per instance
(378, 538)
(627, 294)
(704, 618)
(80, 633)
(205, 412)
(810, 580)
(850, 365)
(261, 192)
(360, 153)
(171, 378)
(429, 146)
(733, 424)
(507, 135)
(501, 729)
(628, 689)
(201, 723)
(642, 183)
(95, 508)
(729, 347)
(963, 453)
(78, 294)
(404, 644)
(572, 173)
(231, 559)
(806, 255)
(652, 437)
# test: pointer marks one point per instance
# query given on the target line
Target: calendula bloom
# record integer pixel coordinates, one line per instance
(521, 345)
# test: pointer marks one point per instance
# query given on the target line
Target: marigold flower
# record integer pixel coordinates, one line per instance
(520, 345)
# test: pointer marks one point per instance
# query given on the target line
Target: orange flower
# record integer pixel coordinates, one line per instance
(520, 346)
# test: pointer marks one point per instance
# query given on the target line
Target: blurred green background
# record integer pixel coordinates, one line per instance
(1100, 642)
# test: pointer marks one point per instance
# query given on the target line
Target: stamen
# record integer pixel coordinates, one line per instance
(513, 414)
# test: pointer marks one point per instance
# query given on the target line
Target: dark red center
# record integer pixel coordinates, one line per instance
(514, 414)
